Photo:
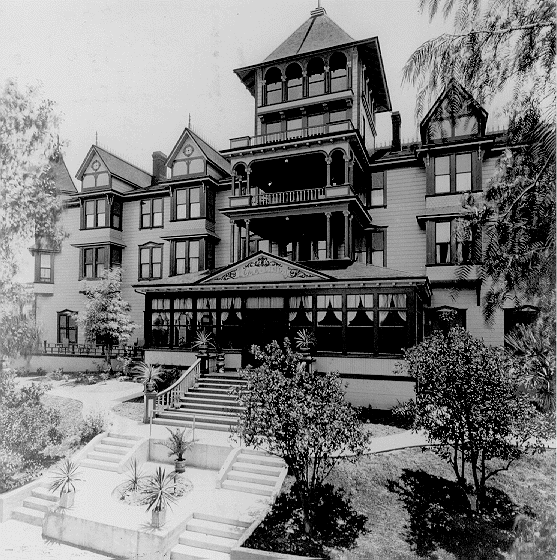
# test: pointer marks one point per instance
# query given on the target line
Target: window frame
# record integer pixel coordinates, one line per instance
(203, 257)
(188, 204)
(110, 202)
(378, 183)
(151, 213)
(475, 173)
(68, 314)
(109, 261)
(429, 312)
(38, 268)
(149, 247)
(370, 250)
(475, 251)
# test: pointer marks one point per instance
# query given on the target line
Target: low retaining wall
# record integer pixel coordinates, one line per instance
(242, 553)
(50, 362)
(202, 455)
(381, 392)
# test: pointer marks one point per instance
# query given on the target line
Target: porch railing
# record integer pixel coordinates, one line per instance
(84, 350)
(305, 195)
(170, 397)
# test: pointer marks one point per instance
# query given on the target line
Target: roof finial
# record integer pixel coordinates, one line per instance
(319, 11)
(189, 120)
(96, 138)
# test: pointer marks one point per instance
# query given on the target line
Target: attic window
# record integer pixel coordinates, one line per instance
(455, 117)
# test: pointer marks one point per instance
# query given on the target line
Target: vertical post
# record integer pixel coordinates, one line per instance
(329, 246)
(328, 161)
(346, 232)
(232, 232)
(247, 237)
(238, 243)
(149, 398)
(248, 187)
(350, 236)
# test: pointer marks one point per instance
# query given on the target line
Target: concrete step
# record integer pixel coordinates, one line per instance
(194, 396)
(212, 392)
(45, 494)
(206, 411)
(209, 542)
(31, 516)
(187, 415)
(187, 424)
(221, 382)
(38, 504)
(252, 477)
(124, 436)
(107, 457)
(118, 442)
(246, 522)
(255, 468)
(213, 405)
(222, 377)
(249, 487)
(215, 528)
(111, 449)
(184, 552)
(260, 459)
(99, 465)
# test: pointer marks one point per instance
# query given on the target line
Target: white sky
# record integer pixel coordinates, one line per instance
(132, 71)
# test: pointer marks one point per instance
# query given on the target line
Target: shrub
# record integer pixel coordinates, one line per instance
(404, 414)
(56, 375)
(93, 424)
(10, 464)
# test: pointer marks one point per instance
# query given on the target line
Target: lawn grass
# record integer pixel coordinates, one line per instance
(132, 409)
(70, 411)
(371, 485)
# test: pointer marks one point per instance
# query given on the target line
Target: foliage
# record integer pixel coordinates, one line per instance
(29, 207)
(468, 400)
(509, 47)
(404, 414)
(337, 524)
(148, 373)
(10, 464)
(535, 345)
(19, 335)
(158, 491)
(135, 478)
(299, 416)
(107, 315)
(65, 477)
(177, 443)
(92, 425)
(304, 339)
(204, 340)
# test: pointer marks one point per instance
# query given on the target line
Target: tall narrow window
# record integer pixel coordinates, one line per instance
(338, 168)
(43, 267)
(316, 77)
(293, 82)
(360, 323)
(193, 259)
(329, 322)
(338, 72)
(463, 172)
(377, 195)
(188, 203)
(116, 214)
(443, 242)
(67, 327)
(150, 262)
(377, 252)
(442, 175)
(160, 322)
(151, 213)
(273, 86)
(95, 213)
(187, 256)
(392, 323)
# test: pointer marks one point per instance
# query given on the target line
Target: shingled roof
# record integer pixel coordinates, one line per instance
(62, 178)
(318, 32)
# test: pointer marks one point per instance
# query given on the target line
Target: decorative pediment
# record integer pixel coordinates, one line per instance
(264, 268)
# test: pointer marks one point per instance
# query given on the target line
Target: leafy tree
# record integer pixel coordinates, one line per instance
(19, 335)
(504, 46)
(107, 316)
(470, 403)
(300, 416)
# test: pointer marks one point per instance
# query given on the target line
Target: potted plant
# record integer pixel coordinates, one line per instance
(203, 341)
(178, 444)
(158, 495)
(305, 341)
(149, 374)
(64, 478)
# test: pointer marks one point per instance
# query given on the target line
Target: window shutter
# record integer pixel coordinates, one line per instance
(430, 242)
(454, 227)
(202, 253)
(385, 237)
(202, 201)
(385, 189)
(81, 264)
(172, 263)
(477, 171)
(430, 177)
(452, 171)
(172, 204)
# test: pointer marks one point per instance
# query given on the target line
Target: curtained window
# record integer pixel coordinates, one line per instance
(231, 322)
(184, 329)
(160, 322)
(329, 322)
(392, 323)
(360, 323)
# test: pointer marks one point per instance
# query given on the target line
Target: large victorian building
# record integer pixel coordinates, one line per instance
(304, 225)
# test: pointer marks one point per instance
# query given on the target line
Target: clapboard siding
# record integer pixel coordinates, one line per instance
(222, 229)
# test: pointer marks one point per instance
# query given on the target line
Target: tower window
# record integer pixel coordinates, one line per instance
(293, 82)
(339, 74)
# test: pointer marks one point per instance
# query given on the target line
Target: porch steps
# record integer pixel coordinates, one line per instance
(34, 507)
(208, 537)
(111, 453)
(211, 402)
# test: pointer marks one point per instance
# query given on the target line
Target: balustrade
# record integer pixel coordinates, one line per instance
(170, 397)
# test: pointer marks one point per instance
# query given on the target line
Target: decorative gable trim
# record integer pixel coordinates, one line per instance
(87, 161)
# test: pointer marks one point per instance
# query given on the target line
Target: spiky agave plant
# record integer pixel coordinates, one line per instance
(65, 477)
(177, 443)
(148, 373)
(158, 491)
(135, 477)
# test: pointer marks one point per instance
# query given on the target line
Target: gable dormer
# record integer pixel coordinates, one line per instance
(192, 157)
(456, 115)
(95, 175)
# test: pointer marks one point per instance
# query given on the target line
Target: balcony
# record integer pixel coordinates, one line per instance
(289, 197)
(297, 134)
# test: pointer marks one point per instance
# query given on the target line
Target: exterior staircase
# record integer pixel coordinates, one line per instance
(210, 402)
(35, 506)
(111, 453)
(208, 537)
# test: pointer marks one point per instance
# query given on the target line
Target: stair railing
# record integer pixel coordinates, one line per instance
(170, 397)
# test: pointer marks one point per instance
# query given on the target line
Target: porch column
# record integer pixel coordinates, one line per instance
(346, 232)
(350, 236)
(329, 247)
(328, 161)
(248, 187)
(232, 183)
(347, 174)
(247, 238)
(232, 240)
(238, 243)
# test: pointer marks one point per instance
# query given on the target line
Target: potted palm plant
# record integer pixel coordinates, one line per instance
(178, 445)
(64, 479)
(203, 341)
(158, 495)
(149, 375)
(305, 341)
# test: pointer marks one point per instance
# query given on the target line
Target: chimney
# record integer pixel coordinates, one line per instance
(159, 169)
(395, 116)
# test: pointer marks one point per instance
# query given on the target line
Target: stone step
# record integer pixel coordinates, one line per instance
(118, 442)
(45, 494)
(215, 528)
(246, 522)
(260, 459)
(213, 397)
(187, 424)
(262, 479)
(195, 408)
(107, 457)
(200, 416)
(255, 468)
(124, 436)
(222, 381)
(212, 391)
(208, 405)
(249, 487)
(99, 465)
(221, 377)
(101, 448)
(38, 503)
(31, 516)
(209, 542)
(184, 552)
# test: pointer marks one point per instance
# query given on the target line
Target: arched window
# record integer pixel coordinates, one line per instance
(316, 77)
(241, 181)
(338, 168)
(273, 86)
(293, 82)
(339, 74)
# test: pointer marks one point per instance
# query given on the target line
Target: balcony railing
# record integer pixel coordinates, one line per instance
(308, 132)
(288, 197)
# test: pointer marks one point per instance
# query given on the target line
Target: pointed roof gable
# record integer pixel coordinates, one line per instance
(117, 167)
(318, 32)
(208, 151)
(62, 178)
(264, 267)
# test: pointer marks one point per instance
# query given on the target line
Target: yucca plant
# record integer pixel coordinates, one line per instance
(158, 495)
(203, 340)
(178, 444)
(304, 340)
(64, 479)
(135, 478)
(149, 374)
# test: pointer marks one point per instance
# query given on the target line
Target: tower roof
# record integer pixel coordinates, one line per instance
(318, 32)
